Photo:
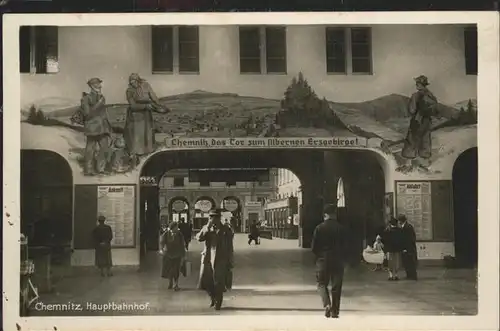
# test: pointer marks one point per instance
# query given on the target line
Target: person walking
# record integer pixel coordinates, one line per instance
(173, 249)
(392, 238)
(409, 256)
(102, 236)
(254, 233)
(217, 257)
(187, 231)
(329, 248)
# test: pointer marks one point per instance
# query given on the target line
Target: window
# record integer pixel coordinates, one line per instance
(263, 50)
(178, 181)
(470, 46)
(204, 182)
(348, 51)
(175, 49)
(38, 49)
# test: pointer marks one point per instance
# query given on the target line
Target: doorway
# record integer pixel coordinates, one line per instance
(465, 196)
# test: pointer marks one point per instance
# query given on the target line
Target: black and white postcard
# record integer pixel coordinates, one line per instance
(250, 171)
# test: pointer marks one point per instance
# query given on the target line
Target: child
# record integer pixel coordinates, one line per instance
(121, 161)
(378, 246)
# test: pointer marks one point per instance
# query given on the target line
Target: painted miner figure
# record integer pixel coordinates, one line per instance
(97, 129)
(418, 144)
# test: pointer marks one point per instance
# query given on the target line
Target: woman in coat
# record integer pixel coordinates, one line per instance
(392, 239)
(139, 124)
(174, 251)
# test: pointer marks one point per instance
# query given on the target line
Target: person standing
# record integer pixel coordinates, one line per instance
(102, 235)
(173, 249)
(422, 107)
(97, 129)
(217, 257)
(392, 238)
(139, 124)
(409, 256)
(329, 248)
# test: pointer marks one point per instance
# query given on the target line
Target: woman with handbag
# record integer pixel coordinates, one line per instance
(174, 252)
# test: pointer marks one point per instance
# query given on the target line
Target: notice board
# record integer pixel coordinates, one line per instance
(414, 200)
(117, 205)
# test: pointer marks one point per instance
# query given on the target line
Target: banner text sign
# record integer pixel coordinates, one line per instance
(302, 142)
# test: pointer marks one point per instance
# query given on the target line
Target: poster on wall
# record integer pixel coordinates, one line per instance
(414, 201)
(116, 203)
(388, 206)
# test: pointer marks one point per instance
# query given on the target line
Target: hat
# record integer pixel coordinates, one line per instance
(215, 212)
(93, 81)
(402, 218)
(134, 76)
(101, 218)
(329, 209)
(422, 80)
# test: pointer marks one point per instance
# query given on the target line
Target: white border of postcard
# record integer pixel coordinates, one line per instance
(488, 140)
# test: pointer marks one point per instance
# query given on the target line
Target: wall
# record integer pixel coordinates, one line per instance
(407, 46)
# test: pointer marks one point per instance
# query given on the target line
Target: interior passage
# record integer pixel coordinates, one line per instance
(275, 277)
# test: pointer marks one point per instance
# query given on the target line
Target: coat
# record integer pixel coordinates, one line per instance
(393, 240)
(139, 124)
(95, 118)
(102, 236)
(218, 268)
(409, 239)
(329, 242)
(172, 244)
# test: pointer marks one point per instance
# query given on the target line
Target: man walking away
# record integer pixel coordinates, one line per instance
(409, 256)
(329, 248)
(187, 232)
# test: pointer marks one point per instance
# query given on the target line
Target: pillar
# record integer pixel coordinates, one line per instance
(312, 195)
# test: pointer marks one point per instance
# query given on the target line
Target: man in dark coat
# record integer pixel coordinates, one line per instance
(409, 255)
(187, 231)
(329, 248)
(217, 257)
(97, 129)
(102, 235)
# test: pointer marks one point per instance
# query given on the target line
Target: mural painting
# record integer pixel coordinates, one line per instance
(107, 139)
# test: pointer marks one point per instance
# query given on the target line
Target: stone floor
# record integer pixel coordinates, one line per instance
(273, 278)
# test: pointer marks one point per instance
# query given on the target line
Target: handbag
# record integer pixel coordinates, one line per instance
(186, 268)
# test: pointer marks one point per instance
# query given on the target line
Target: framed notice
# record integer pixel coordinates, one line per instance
(117, 204)
(414, 201)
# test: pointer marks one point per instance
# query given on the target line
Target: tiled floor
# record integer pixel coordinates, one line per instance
(276, 277)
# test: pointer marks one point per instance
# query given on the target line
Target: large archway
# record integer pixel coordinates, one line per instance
(46, 199)
(465, 196)
(319, 179)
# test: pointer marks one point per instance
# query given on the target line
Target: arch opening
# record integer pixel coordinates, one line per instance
(465, 201)
(317, 171)
(47, 200)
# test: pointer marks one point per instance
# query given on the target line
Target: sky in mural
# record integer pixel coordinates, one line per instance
(106, 139)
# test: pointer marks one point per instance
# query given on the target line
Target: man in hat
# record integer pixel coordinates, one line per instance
(217, 257)
(329, 247)
(102, 236)
(409, 256)
(97, 129)
(423, 105)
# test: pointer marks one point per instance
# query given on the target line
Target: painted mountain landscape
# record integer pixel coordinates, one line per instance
(300, 113)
